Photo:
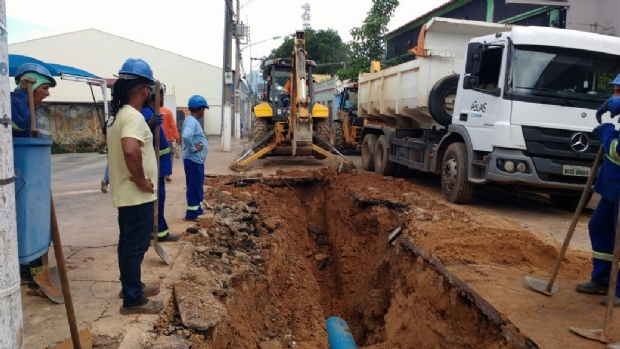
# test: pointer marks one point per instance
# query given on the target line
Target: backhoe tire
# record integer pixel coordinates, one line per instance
(322, 130)
(383, 165)
(260, 131)
(339, 141)
(568, 202)
(455, 184)
(368, 152)
(437, 106)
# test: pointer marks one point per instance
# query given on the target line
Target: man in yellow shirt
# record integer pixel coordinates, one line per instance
(133, 180)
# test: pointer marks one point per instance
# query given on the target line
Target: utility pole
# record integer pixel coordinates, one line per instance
(238, 35)
(11, 316)
(226, 75)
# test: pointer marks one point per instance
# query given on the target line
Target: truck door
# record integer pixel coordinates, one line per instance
(480, 102)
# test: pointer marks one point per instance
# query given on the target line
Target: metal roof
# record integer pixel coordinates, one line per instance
(450, 2)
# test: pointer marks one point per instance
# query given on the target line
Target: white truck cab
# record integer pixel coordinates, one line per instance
(524, 108)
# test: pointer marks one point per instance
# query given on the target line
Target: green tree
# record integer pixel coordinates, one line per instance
(323, 46)
(368, 42)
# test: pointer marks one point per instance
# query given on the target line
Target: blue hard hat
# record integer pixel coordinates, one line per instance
(137, 67)
(197, 101)
(616, 82)
(36, 68)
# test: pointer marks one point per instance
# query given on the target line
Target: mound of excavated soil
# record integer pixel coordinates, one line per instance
(288, 257)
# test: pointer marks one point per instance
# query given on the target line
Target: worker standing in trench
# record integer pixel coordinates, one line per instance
(42, 81)
(195, 150)
(133, 166)
(165, 166)
(602, 225)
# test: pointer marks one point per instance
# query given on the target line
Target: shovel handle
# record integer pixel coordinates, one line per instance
(573, 223)
(34, 132)
(64, 279)
(157, 143)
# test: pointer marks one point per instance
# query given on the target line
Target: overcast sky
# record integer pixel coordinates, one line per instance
(193, 28)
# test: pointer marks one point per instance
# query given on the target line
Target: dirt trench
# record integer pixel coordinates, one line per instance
(312, 249)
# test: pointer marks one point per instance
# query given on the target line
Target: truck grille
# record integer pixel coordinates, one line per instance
(551, 148)
(556, 144)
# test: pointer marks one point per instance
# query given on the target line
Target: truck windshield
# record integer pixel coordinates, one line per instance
(562, 76)
(277, 93)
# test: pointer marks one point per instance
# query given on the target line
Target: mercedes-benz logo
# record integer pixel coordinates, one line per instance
(579, 142)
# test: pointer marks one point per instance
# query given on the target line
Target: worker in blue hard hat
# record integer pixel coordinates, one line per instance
(602, 225)
(133, 168)
(165, 167)
(42, 81)
(195, 150)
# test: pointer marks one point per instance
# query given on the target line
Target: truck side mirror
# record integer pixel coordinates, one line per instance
(470, 82)
(497, 92)
(473, 56)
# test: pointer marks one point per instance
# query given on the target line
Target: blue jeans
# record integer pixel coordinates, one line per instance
(602, 228)
(106, 175)
(194, 180)
(162, 226)
(136, 225)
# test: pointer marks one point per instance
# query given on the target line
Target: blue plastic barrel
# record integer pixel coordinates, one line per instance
(33, 178)
(338, 334)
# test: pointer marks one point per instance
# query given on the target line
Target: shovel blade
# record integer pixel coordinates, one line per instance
(86, 341)
(49, 281)
(595, 334)
(540, 285)
(162, 253)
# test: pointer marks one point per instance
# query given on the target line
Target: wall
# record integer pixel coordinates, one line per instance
(71, 124)
(103, 54)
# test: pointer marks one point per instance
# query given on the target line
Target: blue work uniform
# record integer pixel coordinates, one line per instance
(20, 114)
(165, 169)
(602, 225)
(193, 163)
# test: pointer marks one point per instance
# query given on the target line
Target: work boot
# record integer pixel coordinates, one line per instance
(169, 238)
(104, 187)
(616, 301)
(147, 290)
(145, 306)
(191, 219)
(168, 179)
(591, 287)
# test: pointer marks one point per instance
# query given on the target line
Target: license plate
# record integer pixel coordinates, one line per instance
(578, 171)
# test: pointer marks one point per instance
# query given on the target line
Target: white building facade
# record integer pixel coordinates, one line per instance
(103, 54)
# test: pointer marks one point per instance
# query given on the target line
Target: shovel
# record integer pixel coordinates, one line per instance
(48, 279)
(82, 339)
(160, 251)
(549, 288)
(602, 335)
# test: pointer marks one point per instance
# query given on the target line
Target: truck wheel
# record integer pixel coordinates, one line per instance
(368, 152)
(454, 182)
(568, 202)
(338, 131)
(441, 99)
(322, 130)
(260, 132)
(383, 165)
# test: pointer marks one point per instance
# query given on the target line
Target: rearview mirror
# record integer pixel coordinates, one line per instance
(473, 55)
(470, 82)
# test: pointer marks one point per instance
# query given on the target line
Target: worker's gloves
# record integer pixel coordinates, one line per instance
(155, 120)
(25, 80)
(598, 118)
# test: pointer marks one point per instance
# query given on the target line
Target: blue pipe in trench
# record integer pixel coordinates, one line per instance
(339, 335)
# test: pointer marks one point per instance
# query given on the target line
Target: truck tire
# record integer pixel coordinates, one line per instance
(339, 141)
(260, 131)
(437, 106)
(568, 202)
(383, 165)
(454, 175)
(368, 152)
(322, 130)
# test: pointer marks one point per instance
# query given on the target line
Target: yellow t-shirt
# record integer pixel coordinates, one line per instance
(130, 123)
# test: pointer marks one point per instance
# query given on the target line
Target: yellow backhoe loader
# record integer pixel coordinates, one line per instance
(288, 121)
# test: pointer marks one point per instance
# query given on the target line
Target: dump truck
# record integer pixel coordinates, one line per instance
(289, 122)
(491, 104)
